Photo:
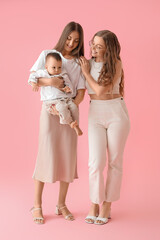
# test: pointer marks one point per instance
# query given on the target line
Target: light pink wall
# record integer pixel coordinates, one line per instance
(27, 28)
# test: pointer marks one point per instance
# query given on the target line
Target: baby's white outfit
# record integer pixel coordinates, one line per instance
(52, 96)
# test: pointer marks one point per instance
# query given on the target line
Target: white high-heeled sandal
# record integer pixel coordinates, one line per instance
(37, 219)
(58, 211)
(93, 218)
(103, 220)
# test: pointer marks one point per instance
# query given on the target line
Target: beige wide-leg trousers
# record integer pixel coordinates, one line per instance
(107, 131)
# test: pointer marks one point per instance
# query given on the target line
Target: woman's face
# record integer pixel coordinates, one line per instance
(98, 48)
(71, 42)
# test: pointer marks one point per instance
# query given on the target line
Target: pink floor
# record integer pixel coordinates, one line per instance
(130, 219)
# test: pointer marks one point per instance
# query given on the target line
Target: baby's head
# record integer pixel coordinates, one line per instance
(53, 63)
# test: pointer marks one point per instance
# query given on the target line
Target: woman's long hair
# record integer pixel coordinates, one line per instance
(110, 59)
(70, 27)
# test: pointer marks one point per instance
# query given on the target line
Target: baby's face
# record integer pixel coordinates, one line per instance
(53, 66)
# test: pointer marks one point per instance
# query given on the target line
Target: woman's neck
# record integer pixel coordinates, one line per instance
(98, 59)
(67, 54)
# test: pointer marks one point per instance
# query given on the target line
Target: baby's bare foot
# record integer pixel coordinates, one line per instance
(78, 131)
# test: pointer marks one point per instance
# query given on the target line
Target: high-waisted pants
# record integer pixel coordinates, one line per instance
(108, 128)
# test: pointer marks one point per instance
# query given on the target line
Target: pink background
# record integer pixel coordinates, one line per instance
(27, 28)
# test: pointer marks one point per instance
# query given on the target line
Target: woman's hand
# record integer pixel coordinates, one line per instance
(57, 82)
(53, 110)
(85, 66)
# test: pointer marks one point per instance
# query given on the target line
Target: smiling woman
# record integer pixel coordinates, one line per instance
(108, 124)
(57, 152)
(70, 43)
(97, 47)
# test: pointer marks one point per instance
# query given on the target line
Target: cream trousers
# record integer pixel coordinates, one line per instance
(107, 131)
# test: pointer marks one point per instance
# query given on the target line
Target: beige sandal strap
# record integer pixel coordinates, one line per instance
(62, 207)
(35, 209)
(69, 215)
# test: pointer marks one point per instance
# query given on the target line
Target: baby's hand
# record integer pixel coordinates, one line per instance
(67, 89)
(35, 87)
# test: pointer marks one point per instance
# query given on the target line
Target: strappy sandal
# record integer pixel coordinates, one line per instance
(38, 220)
(59, 211)
(90, 219)
(103, 220)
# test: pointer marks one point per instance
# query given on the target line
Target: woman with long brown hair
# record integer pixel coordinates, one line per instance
(108, 125)
(57, 152)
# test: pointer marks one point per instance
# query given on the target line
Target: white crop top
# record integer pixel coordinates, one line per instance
(95, 72)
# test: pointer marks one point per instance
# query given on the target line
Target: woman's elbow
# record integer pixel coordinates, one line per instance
(81, 93)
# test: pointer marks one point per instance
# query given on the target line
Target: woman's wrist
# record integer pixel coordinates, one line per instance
(86, 74)
(57, 82)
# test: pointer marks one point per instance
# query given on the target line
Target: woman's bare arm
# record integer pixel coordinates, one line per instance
(79, 97)
(99, 90)
(54, 82)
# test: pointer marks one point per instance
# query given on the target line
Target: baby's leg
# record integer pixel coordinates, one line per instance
(50, 107)
(76, 127)
(75, 124)
(66, 116)
(64, 112)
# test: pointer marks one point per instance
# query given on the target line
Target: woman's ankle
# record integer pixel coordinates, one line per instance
(94, 209)
(94, 205)
(60, 204)
(37, 205)
(107, 204)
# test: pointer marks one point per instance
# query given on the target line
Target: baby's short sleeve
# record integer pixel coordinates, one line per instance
(40, 63)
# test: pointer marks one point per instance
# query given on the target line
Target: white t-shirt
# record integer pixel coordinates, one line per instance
(95, 72)
(69, 65)
(49, 92)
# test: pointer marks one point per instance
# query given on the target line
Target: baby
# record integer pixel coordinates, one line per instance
(54, 97)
